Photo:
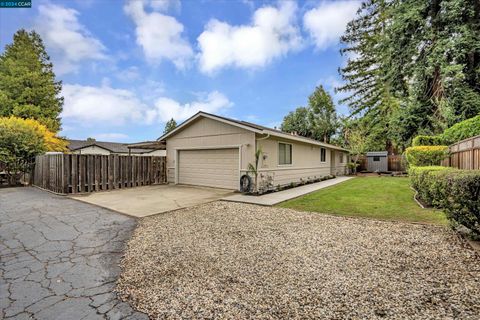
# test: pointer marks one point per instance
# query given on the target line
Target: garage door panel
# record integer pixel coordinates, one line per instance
(212, 168)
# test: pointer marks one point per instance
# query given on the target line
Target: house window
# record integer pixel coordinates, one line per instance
(284, 153)
(376, 158)
(323, 155)
(341, 157)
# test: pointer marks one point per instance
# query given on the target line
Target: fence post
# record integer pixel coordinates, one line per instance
(73, 173)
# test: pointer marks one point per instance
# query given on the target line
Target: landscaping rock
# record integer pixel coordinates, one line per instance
(229, 260)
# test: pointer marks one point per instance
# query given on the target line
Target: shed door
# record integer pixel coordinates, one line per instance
(217, 168)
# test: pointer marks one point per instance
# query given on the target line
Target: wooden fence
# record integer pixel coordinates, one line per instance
(464, 154)
(73, 173)
(395, 163)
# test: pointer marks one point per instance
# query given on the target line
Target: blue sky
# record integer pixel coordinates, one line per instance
(128, 66)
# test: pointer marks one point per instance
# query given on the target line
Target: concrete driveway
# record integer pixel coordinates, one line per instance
(59, 258)
(149, 200)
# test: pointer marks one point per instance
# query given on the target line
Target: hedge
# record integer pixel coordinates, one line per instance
(427, 141)
(426, 155)
(455, 191)
(462, 130)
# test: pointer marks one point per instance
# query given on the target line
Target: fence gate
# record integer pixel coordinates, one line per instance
(74, 173)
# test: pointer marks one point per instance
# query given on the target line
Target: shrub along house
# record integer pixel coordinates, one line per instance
(214, 151)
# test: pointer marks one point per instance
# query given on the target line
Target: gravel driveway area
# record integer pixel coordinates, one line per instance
(59, 258)
(231, 260)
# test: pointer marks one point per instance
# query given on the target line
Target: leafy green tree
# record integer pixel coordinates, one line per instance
(20, 142)
(28, 88)
(322, 115)
(357, 144)
(170, 125)
(297, 121)
(317, 121)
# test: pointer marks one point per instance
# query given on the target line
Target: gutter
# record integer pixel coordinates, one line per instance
(264, 138)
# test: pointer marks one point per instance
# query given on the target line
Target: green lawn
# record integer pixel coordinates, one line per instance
(387, 198)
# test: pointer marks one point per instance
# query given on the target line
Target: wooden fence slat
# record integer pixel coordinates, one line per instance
(127, 171)
(120, 172)
(82, 177)
(90, 171)
(110, 172)
(115, 171)
(66, 173)
(104, 174)
(97, 170)
(464, 154)
(134, 175)
(73, 173)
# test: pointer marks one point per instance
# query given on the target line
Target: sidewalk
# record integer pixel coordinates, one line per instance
(274, 198)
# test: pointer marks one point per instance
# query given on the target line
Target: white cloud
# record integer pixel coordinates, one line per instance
(271, 34)
(159, 35)
(128, 74)
(166, 108)
(110, 136)
(67, 38)
(89, 106)
(96, 105)
(327, 22)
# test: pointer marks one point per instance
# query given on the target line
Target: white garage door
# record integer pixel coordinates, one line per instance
(212, 168)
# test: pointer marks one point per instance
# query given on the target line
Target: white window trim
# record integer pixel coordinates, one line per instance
(278, 155)
(321, 155)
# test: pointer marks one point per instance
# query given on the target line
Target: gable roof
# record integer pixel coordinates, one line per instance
(250, 127)
(115, 147)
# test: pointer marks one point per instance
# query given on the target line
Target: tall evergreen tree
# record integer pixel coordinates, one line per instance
(322, 115)
(417, 65)
(170, 125)
(365, 74)
(436, 54)
(28, 88)
(369, 88)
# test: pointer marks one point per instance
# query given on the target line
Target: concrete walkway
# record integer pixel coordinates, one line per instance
(274, 198)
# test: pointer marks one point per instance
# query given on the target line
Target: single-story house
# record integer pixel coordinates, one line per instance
(214, 151)
(106, 148)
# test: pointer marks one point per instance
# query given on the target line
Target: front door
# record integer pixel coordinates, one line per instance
(333, 169)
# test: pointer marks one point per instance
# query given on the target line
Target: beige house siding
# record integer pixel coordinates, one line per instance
(92, 150)
(156, 153)
(305, 165)
(205, 133)
(340, 168)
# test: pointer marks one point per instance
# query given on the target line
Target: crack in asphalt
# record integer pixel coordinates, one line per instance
(59, 258)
